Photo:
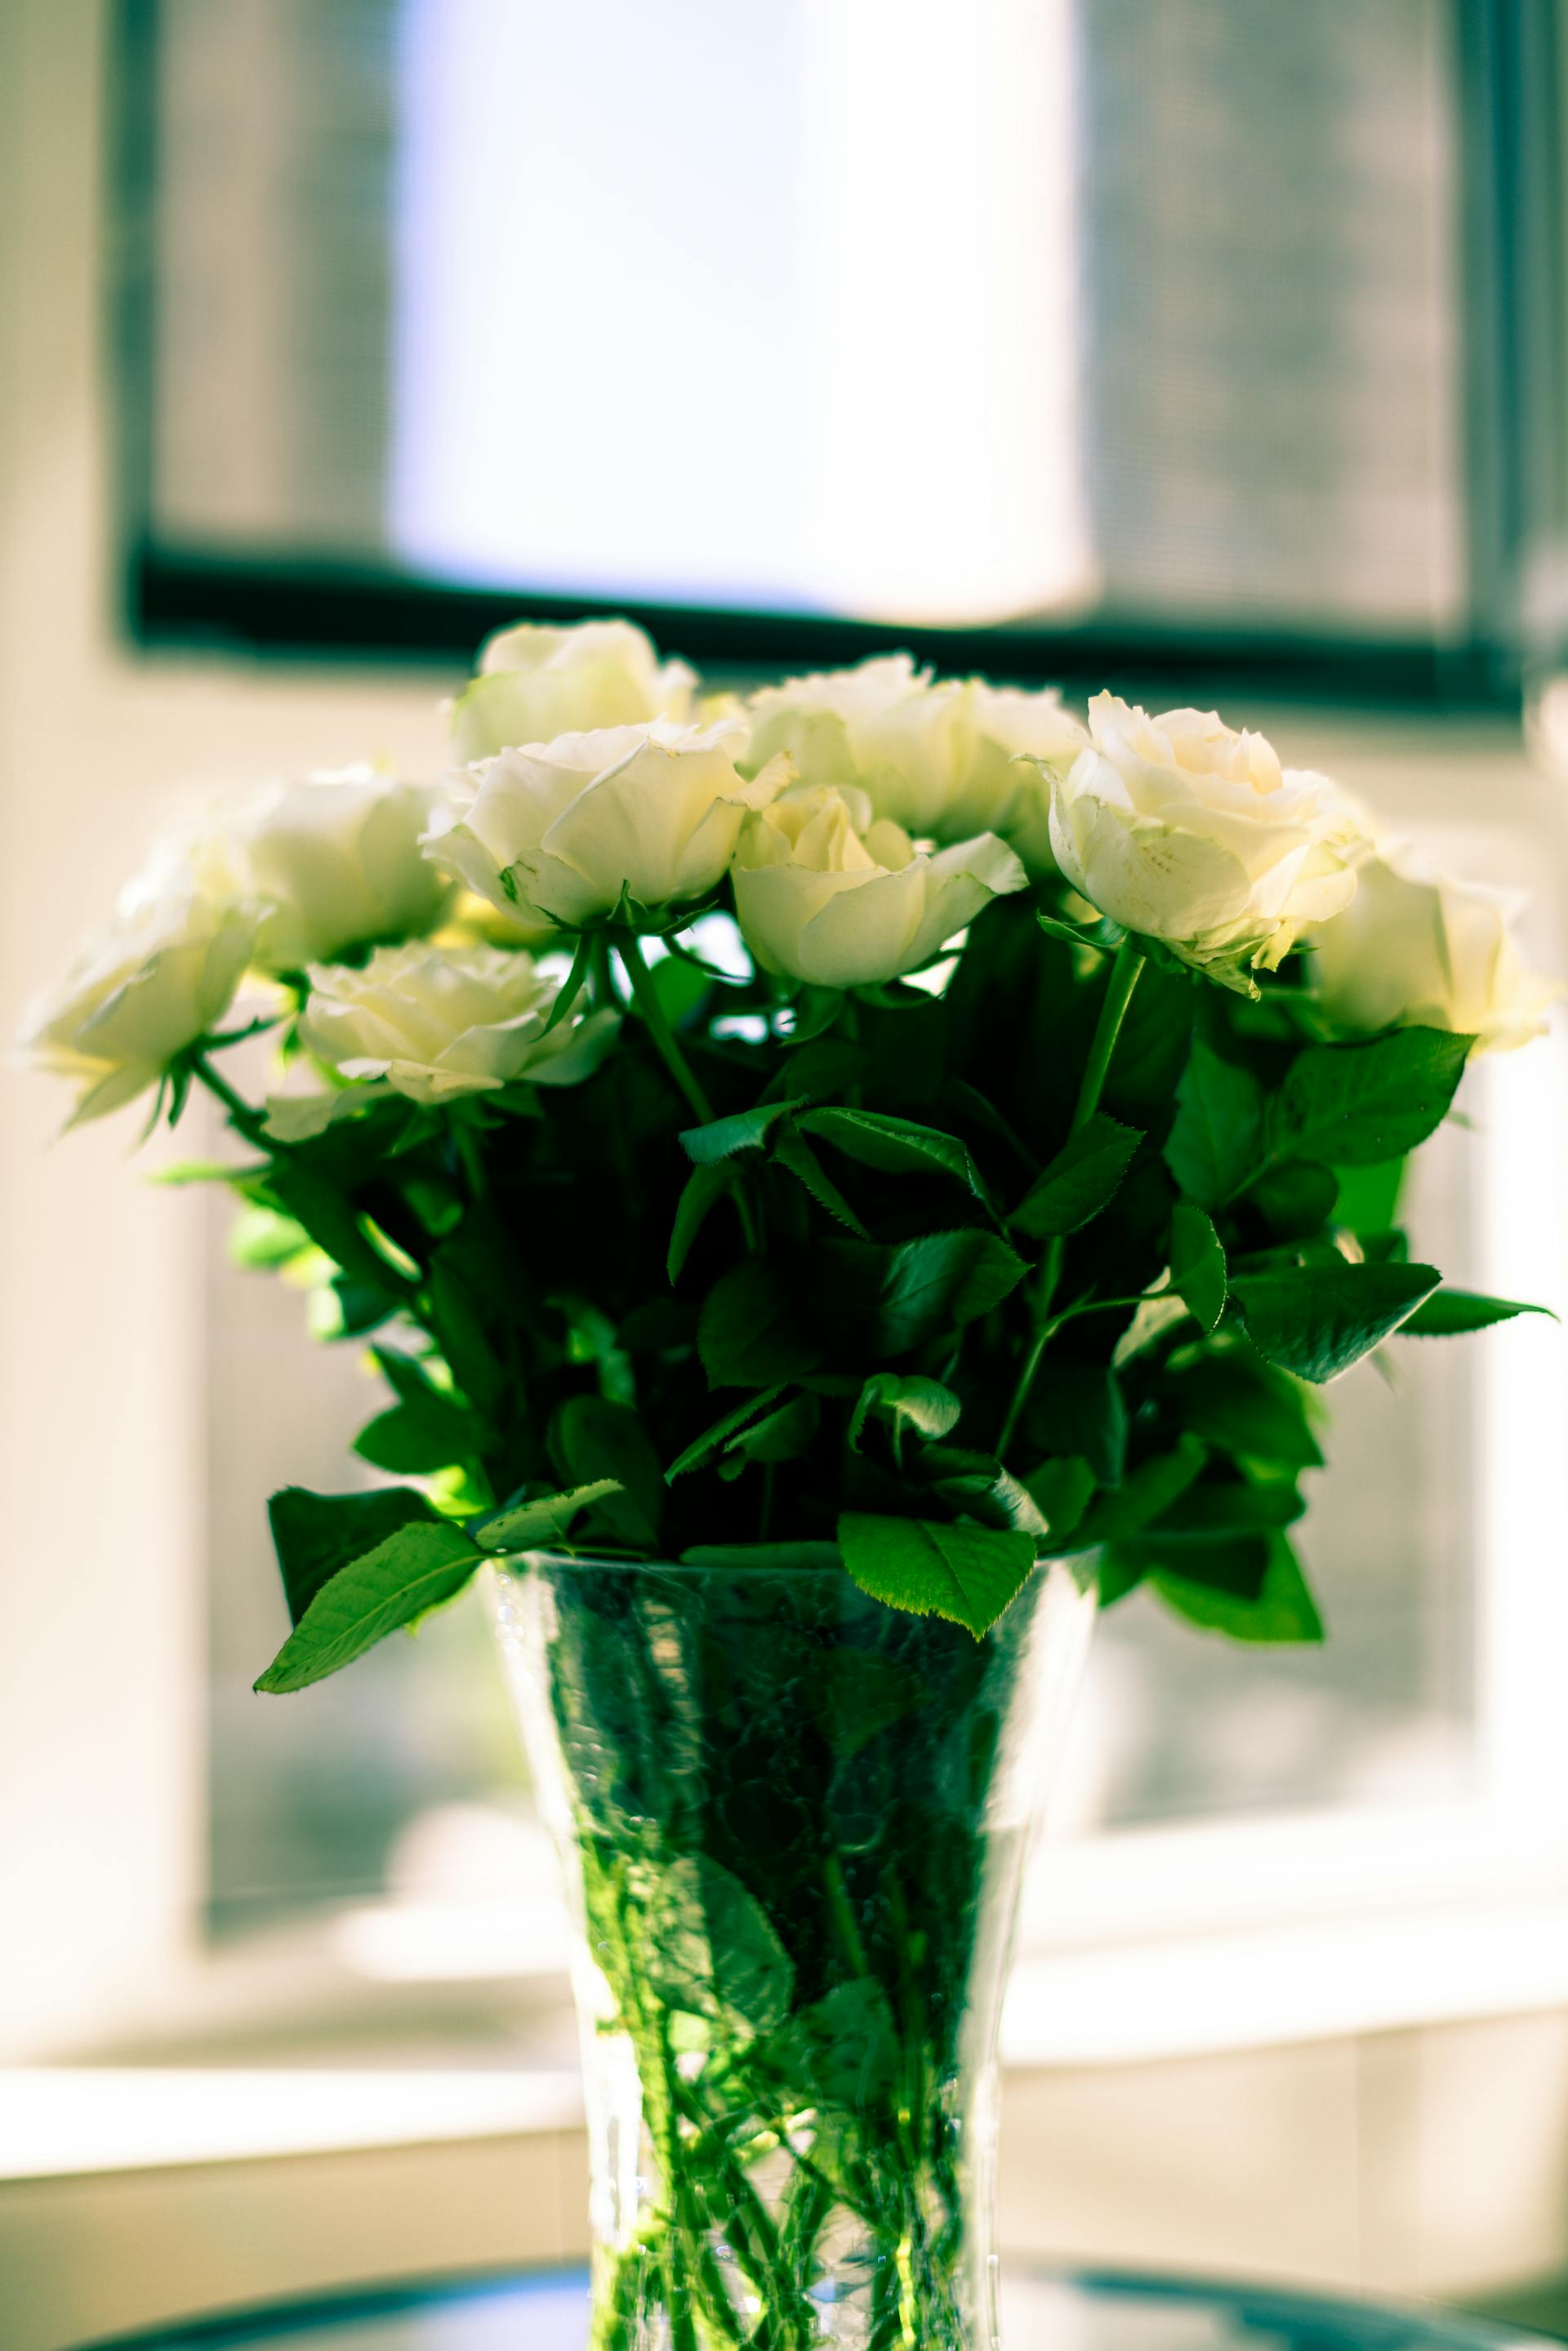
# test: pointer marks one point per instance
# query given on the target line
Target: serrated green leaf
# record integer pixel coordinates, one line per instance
(782, 1435)
(1217, 1142)
(894, 1146)
(712, 1439)
(1448, 1312)
(1080, 1181)
(597, 1442)
(928, 1408)
(1197, 1264)
(792, 1151)
(314, 1535)
(1296, 1199)
(262, 1241)
(747, 1130)
(965, 1573)
(412, 1571)
(1318, 1319)
(703, 1185)
(534, 1525)
(884, 1302)
(1351, 1106)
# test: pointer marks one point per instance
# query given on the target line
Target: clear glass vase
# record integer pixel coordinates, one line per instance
(792, 1824)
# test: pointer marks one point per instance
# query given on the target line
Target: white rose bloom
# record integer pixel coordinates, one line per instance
(536, 683)
(1186, 830)
(162, 978)
(1418, 949)
(434, 1022)
(825, 893)
(562, 828)
(333, 862)
(939, 759)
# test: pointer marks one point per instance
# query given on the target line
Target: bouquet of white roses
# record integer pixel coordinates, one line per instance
(798, 1165)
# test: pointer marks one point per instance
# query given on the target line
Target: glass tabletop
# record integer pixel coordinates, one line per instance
(1042, 2309)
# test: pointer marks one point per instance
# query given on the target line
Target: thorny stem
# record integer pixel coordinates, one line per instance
(1118, 994)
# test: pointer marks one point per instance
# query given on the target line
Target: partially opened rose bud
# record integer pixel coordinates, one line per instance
(826, 893)
(160, 980)
(938, 757)
(1418, 949)
(566, 829)
(438, 1022)
(1188, 832)
(536, 683)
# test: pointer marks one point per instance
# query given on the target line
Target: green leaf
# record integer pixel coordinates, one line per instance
(597, 1442)
(1283, 1610)
(856, 1693)
(703, 1185)
(782, 1436)
(535, 1525)
(884, 1302)
(967, 1574)
(1104, 938)
(1145, 1492)
(1214, 1506)
(314, 1535)
(1061, 1490)
(1217, 1142)
(1245, 1408)
(411, 1571)
(1367, 1198)
(747, 1131)
(714, 1946)
(262, 1241)
(749, 1334)
(843, 2051)
(1197, 1264)
(709, 1442)
(1295, 1199)
(1353, 1104)
(1081, 1179)
(417, 1441)
(1450, 1312)
(1318, 1319)
(792, 1151)
(894, 1146)
(930, 1409)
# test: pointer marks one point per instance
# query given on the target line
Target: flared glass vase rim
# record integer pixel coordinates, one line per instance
(789, 1561)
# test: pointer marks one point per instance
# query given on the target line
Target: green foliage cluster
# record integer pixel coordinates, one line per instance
(1043, 1257)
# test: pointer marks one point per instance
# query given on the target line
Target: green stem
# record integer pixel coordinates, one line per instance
(250, 1122)
(1113, 1006)
(629, 948)
(646, 994)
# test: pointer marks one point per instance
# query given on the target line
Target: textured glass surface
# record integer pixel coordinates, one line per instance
(792, 1822)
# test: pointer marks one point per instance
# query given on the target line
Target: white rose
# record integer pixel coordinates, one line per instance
(162, 978)
(1186, 830)
(563, 828)
(939, 758)
(433, 1022)
(536, 683)
(1418, 949)
(332, 862)
(825, 893)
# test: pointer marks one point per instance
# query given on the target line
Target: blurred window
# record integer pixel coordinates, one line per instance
(1027, 313)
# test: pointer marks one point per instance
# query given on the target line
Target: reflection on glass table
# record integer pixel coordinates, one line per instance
(547, 2310)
